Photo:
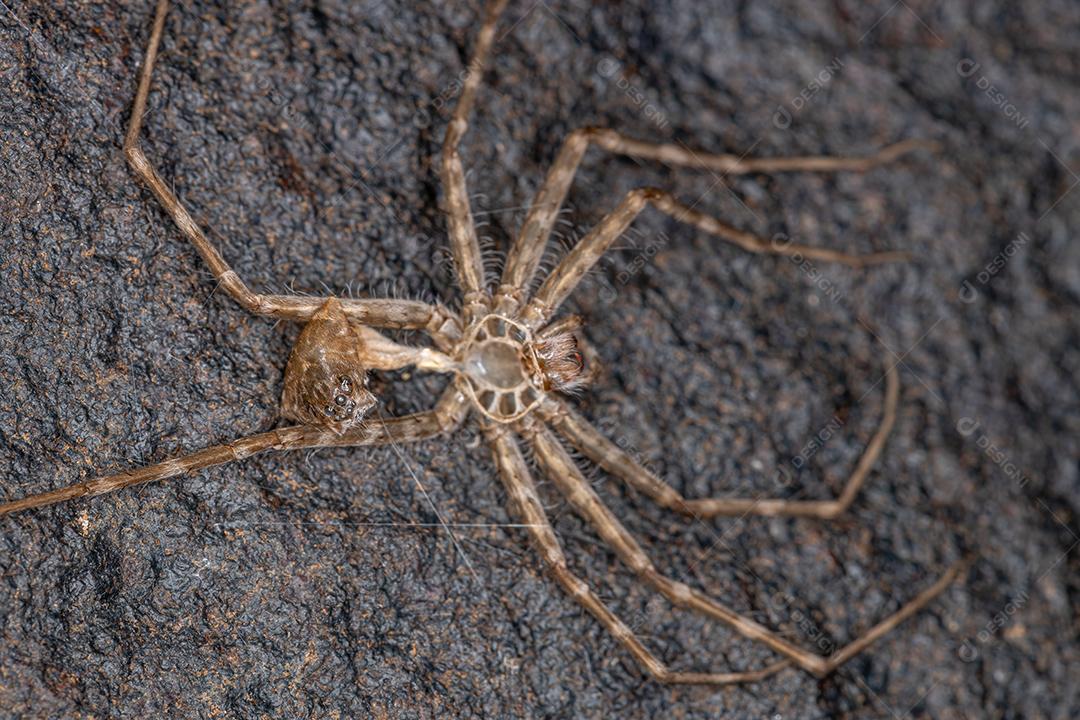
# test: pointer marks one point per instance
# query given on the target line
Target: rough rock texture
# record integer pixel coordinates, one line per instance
(313, 585)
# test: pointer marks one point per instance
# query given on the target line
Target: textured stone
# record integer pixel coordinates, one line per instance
(303, 138)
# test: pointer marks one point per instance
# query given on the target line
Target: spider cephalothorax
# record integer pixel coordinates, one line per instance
(506, 368)
(326, 378)
(508, 362)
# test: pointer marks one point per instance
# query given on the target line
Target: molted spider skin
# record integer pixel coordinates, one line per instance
(509, 358)
(325, 379)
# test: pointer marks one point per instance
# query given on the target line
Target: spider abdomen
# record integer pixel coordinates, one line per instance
(326, 379)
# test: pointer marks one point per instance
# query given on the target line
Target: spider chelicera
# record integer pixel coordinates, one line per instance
(511, 360)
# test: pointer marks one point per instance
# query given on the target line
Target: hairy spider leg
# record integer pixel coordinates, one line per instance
(528, 247)
(463, 240)
(557, 464)
(566, 276)
(620, 464)
(523, 497)
(522, 264)
(448, 415)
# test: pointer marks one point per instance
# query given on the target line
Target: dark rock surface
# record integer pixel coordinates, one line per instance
(304, 137)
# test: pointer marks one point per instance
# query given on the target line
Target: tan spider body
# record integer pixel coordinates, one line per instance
(511, 360)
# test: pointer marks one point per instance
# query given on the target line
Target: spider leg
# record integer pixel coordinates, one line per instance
(379, 352)
(571, 269)
(560, 467)
(528, 247)
(448, 415)
(609, 456)
(519, 485)
(388, 313)
(682, 156)
(464, 243)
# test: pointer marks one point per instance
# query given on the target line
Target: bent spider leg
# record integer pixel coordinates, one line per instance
(572, 268)
(463, 240)
(378, 352)
(613, 459)
(559, 466)
(448, 414)
(528, 247)
(398, 314)
(522, 491)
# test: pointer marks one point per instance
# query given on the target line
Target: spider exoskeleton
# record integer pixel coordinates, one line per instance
(510, 359)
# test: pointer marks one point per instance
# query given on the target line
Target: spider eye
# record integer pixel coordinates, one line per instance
(340, 399)
(330, 410)
(345, 384)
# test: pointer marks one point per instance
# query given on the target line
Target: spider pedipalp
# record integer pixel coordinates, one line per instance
(562, 363)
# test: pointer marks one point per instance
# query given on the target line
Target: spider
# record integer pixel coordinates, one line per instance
(511, 360)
